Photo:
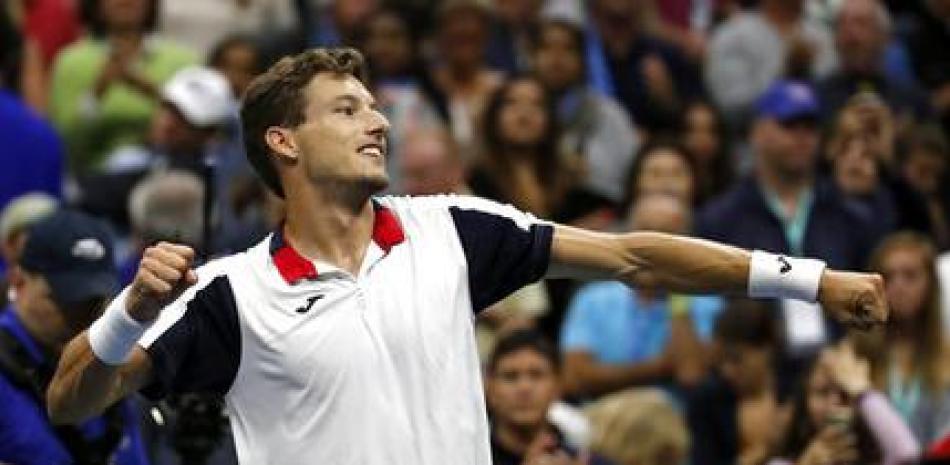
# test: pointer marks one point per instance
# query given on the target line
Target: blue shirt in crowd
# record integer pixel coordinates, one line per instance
(26, 434)
(608, 320)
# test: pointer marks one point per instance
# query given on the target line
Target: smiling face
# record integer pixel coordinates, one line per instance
(342, 138)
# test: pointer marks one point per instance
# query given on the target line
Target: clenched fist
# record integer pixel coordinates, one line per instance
(854, 299)
(164, 274)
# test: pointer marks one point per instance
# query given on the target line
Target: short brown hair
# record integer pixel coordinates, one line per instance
(275, 98)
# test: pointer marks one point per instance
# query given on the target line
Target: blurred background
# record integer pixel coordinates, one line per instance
(810, 127)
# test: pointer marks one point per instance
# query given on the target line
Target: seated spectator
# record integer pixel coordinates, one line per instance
(704, 136)
(509, 37)
(861, 152)
(106, 86)
(749, 51)
(238, 58)
(638, 427)
(461, 73)
(594, 125)
(196, 105)
(521, 163)
(15, 219)
(204, 23)
(783, 207)
(927, 42)
(923, 166)
(64, 277)
(647, 75)
(163, 207)
(662, 167)
(400, 83)
(615, 337)
(735, 416)
(338, 21)
(837, 417)
(862, 33)
(429, 164)
(521, 387)
(909, 356)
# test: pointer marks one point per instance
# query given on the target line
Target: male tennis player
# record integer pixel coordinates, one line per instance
(345, 337)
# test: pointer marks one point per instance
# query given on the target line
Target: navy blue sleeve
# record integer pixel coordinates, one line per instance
(201, 351)
(502, 255)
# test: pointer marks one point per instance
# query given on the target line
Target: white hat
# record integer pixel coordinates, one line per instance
(202, 95)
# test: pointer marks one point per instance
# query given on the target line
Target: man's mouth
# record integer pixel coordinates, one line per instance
(372, 150)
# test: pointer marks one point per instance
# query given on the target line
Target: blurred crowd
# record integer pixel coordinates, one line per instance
(816, 128)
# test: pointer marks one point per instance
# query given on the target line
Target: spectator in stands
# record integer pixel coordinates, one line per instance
(862, 33)
(32, 157)
(735, 416)
(402, 87)
(861, 152)
(521, 386)
(638, 427)
(32, 33)
(239, 59)
(202, 24)
(703, 134)
(164, 207)
(15, 219)
(909, 356)
(750, 51)
(594, 125)
(783, 207)
(196, 104)
(662, 167)
(521, 163)
(931, 56)
(64, 277)
(338, 22)
(429, 164)
(615, 337)
(837, 417)
(462, 75)
(924, 167)
(106, 87)
(509, 36)
(647, 75)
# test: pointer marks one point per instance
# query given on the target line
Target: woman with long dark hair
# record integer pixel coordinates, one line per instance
(837, 418)
(521, 163)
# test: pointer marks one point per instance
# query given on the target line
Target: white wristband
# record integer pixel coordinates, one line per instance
(779, 277)
(115, 333)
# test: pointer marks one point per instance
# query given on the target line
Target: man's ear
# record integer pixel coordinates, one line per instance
(281, 141)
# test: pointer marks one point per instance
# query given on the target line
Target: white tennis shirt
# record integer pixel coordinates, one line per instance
(318, 366)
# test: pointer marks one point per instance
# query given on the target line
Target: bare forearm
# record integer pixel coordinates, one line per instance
(84, 386)
(677, 263)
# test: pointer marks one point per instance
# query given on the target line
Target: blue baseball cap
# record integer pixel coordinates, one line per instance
(786, 100)
(74, 253)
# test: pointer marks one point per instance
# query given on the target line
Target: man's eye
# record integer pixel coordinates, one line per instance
(348, 111)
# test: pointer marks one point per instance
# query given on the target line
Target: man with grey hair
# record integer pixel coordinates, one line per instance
(863, 41)
(166, 206)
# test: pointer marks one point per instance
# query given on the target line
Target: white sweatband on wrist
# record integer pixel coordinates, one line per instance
(774, 276)
(115, 333)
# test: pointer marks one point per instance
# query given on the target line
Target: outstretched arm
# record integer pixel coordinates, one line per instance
(683, 264)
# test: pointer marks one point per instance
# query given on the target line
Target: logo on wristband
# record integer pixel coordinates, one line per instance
(786, 266)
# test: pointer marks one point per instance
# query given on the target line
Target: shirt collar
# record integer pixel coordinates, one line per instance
(10, 322)
(294, 267)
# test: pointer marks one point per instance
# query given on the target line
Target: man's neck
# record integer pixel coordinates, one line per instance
(516, 439)
(333, 224)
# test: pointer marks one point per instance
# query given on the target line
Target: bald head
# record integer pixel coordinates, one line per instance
(429, 163)
(861, 34)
